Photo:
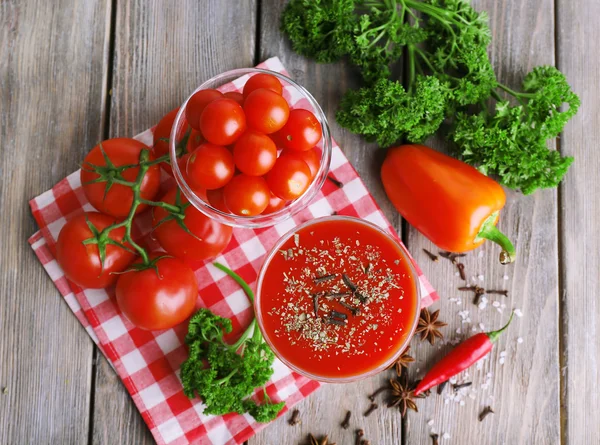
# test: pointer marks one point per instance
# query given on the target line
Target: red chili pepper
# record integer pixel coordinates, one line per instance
(460, 358)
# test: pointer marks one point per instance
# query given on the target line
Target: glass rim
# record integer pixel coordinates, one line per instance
(259, 220)
(415, 280)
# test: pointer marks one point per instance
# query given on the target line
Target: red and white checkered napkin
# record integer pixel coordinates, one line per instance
(148, 362)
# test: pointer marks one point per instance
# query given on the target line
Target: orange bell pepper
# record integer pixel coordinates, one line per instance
(448, 201)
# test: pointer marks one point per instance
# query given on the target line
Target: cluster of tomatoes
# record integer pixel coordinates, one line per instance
(238, 167)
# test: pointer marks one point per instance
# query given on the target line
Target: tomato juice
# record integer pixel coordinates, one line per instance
(337, 299)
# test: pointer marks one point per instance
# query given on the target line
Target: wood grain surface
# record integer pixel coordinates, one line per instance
(73, 73)
(578, 37)
(524, 391)
(163, 51)
(52, 75)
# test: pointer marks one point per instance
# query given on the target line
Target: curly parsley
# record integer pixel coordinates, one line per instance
(449, 79)
(223, 375)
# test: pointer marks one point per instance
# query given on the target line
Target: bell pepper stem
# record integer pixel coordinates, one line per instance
(490, 232)
(493, 336)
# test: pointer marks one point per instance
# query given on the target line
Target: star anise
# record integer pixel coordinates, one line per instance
(322, 441)
(429, 326)
(403, 395)
(403, 361)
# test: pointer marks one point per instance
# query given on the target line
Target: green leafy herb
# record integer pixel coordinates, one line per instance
(448, 79)
(224, 375)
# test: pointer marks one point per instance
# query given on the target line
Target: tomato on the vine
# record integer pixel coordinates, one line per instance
(207, 238)
(210, 166)
(234, 95)
(197, 104)
(275, 204)
(311, 157)
(216, 199)
(222, 122)
(254, 153)
(262, 80)
(117, 200)
(289, 178)
(302, 131)
(162, 134)
(246, 195)
(158, 297)
(81, 262)
(266, 111)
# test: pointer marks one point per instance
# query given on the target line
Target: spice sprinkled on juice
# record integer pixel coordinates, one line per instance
(338, 299)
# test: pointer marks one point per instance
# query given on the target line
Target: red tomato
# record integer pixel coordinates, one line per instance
(266, 111)
(222, 122)
(197, 104)
(247, 195)
(117, 201)
(234, 95)
(254, 153)
(159, 297)
(209, 237)
(162, 134)
(262, 80)
(302, 131)
(210, 166)
(289, 177)
(215, 198)
(81, 262)
(275, 204)
(311, 157)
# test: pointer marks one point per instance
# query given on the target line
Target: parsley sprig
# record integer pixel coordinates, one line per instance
(448, 79)
(224, 375)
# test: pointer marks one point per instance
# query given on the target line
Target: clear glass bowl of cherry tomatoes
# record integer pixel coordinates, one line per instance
(250, 148)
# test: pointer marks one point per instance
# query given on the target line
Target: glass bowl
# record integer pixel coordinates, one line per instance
(355, 377)
(234, 80)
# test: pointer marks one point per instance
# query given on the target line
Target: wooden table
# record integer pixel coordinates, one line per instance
(74, 73)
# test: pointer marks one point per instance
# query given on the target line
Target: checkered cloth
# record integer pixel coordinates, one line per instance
(148, 362)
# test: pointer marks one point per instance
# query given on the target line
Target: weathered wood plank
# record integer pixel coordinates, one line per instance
(578, 37)
(163, 50)
(524, 392)
(52, 78)
(323, 411)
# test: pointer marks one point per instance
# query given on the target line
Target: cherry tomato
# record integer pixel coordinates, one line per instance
(275, 204)
(247, 195)
(119, 198)
(198, 103)
(266, 111)
(254, 153)
(289, 177)
(208, 238)
(222, 122)
(81, 262)
(162, 134)
(215, 198)
(210, 166)
(159, 297)
(302, 131)
(234, 95)
(311, 157)
(262, 80)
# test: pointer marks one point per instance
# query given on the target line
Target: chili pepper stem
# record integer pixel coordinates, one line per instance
(493, 336)
(490, 232)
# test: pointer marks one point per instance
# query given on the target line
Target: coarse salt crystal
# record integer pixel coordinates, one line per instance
(445, 436)
(499, 309)
(456, 274)
(430, 422)
(501, 360)
(459, 331)
(462, 403)
(496, 304)
(480, 277)
(520, 340)
(518, 313)
(502, 353)
(505, 277)
(480, 254)
(473, 329)
(481, 326)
